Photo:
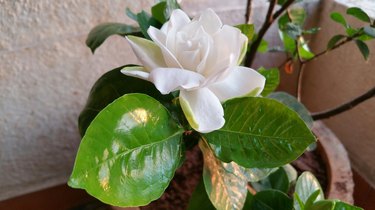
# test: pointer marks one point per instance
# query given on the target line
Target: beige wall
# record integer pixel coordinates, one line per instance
(338, 77)
(46, 72)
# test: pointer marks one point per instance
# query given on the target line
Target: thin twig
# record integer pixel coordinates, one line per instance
(300, 79)
(344, 107)
(266, 25)
(347, 40)
(248, 11)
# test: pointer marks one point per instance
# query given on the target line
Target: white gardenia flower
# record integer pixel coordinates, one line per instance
(200, 58)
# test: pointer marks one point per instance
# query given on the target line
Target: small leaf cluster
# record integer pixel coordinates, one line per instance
(359, 35)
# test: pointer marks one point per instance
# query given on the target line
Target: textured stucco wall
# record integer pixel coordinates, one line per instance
(46, 72)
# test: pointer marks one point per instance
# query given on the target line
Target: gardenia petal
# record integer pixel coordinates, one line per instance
(241, 81)
(210, 21)
(148, 53)
(167, 80)
(160, 39)
(227, 53)
(202, 109)
(136, 71)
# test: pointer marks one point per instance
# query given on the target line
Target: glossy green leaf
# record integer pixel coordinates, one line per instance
(129, 153)
(259, 133)
(277, 180)
(306, 185)
(297, 15)
(332, 205)
(293, 104)
(358, 13)
(248, 30)
(248, 174)
(291, 173)
(225, 190)
(145, 21)
(269, 200)
(363, 48)
(334, 40)
(111, 86)
(337, 17)
(272, 76)
(199, 199)
(369, 31)
(283, 20)
(101, 32)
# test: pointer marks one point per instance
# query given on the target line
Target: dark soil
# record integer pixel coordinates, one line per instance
(177, 195)
(312, 161)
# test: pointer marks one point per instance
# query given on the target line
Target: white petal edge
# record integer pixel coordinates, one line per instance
(241, 81)
(136, 71)
(210, 21)
(148, 53)
(202, 109)
(167, 80)
(160, 39)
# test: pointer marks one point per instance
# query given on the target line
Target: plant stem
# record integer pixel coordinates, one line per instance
(266, 25)
(347, 40)
(248, 11)
(344, 107)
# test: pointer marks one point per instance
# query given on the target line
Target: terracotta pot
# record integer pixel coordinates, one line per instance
(340, 177)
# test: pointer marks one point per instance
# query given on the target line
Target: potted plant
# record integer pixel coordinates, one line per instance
(194, 90)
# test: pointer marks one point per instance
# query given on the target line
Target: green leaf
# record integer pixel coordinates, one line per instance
(101, 32)
(111, 86)
(289, 43)
(277, 180)
(369, 31)
(293, 104)
(263, 46)
(332, 205)
(158, 10)
(259, 133)
(248, 30)
(293, 30)
(291, 173)
(313, 197)
(337, 17)
(358, 13)
(199, 199)
(351, 32)
(334, 40)
(131, 14)
(297, 15)
(272, 76)
(269, 200)
(304, 50)
(145, 21)
(248, 174)
(129, 153)
(283, 20)
(306, 185)
(363, 48)
(225, 190)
